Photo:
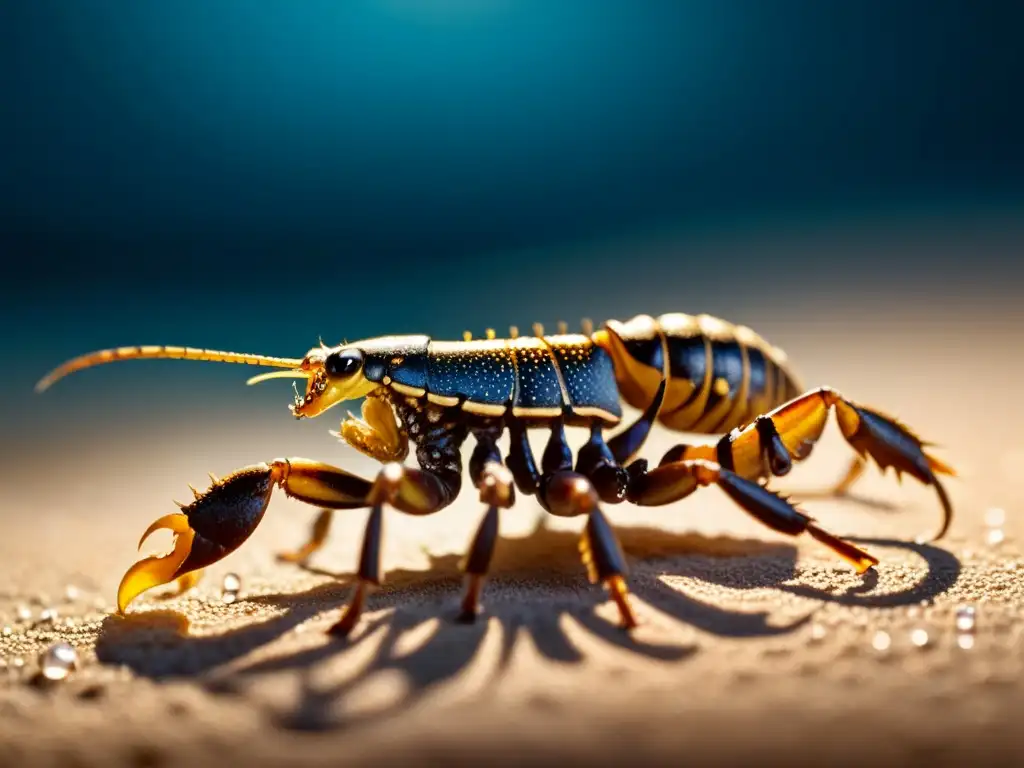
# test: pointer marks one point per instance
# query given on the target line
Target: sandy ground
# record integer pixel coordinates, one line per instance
(752, 646)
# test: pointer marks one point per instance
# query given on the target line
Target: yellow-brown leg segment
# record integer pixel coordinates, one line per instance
(853, 474)
(568, 494)
(375, 435)
(773, 442)
(412, 491)
(841, 488)
(369, 574)
(496, 491)
(317, 538)
(676, 480)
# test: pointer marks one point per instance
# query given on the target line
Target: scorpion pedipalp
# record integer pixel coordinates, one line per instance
(210, 528)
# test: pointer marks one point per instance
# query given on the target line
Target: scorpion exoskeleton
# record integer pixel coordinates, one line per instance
(694, 374)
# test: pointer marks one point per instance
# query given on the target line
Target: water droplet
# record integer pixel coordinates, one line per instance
(995, 517)
(7, 630)
(818, 632)
(17, 664)
(965, 618)
(71, 593)
(995, 536)
(919, 637)
(58, 661)
(232, 583)
(24, 613)
(965, 640)
(881, 641)
(47, 615)
(230, 587)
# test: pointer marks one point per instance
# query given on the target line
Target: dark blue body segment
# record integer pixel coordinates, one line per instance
(727, 364)
(403, 359)
(588, 373)
(687, 358)
(538, 379)
(756, 389)
(645, 350)
(478, 371)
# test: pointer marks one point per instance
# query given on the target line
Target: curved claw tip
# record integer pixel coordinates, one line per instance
(176, 522)
(158, 569)
(947, 515)
(866, 563)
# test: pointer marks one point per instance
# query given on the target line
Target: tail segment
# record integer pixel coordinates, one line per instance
(719, 375)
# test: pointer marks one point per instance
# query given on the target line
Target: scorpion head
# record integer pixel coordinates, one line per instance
(334, 375)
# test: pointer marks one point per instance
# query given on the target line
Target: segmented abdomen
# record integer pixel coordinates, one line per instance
(720, 376)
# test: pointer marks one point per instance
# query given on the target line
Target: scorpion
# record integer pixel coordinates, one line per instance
(694, 374)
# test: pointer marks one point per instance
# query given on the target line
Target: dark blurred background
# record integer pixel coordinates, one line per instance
(247, 174)
(845, 177)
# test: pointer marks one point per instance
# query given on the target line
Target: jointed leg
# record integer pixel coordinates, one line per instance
(773, 442)
(676, 480)
(567, 493)
(842, 487)
(317, 538)
(853, 474)
(408, 490)
(375, 435)
(223, 517)
(369, 574)
(494, 482)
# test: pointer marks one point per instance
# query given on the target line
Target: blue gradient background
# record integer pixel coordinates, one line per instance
(845, 177)
(248, 175)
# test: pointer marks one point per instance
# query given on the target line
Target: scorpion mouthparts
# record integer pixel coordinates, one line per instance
(156, 570)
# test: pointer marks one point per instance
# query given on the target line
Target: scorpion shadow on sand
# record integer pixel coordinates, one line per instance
(424, 604)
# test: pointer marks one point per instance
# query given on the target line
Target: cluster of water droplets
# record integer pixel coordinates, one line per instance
(965, 616)
(964, 624)
(39, 618)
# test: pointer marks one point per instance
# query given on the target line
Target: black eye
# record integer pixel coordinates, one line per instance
(343, 363)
